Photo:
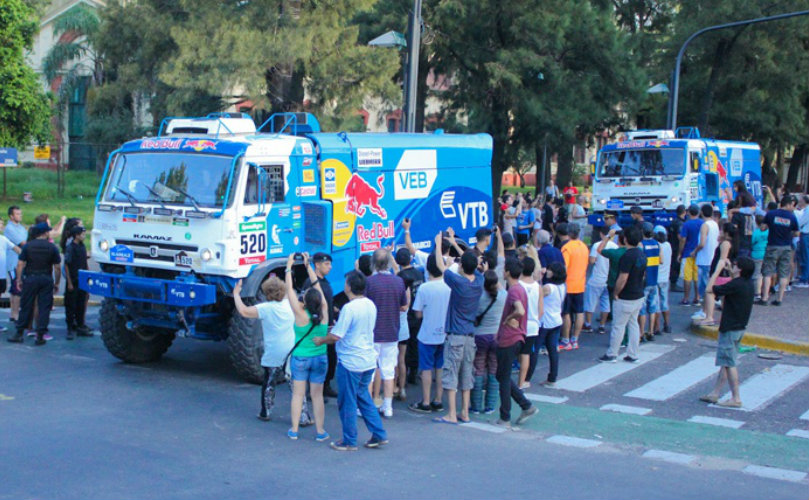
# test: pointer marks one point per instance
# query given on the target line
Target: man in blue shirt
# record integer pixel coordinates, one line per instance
(525, 224)
(783, 226)
(547, 252)
(459, 348)
(689, 239)
(651, 248)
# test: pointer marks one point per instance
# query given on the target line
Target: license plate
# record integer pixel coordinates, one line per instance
(615, 204)
(183, 260)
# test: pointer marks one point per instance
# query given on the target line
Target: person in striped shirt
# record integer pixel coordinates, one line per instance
(651, 302)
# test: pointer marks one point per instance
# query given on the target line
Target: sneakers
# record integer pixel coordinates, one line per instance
(602, 330)
(503, 423)
(574, 345)
(587, 328)
(696, 303)
(548, 384)
(608, 359)
(263, 417)
(437, 406)
(47, 337)
(761, 302)
(543, 351)
(421, 408)
(3, 329)
(292, 435)
(341, 446)
(84, 331)
(375, 442)
(40, 340)
(488, 411)
(17, 338)
(565, 347)
(387, 412)
(475, 411)
(775, 302)
(630, 359)
(525, 385)
(401, 395)
(802, 284)
(699, 315)
(322, 437)
(526, 414)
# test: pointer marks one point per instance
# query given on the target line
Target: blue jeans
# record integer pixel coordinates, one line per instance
(704, 274)
(803, 257)
(352, 393)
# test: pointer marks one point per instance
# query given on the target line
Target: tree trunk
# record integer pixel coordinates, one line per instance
(795, 163)
(564, 167)
(707, 100)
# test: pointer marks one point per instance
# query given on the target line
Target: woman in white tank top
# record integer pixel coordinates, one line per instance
(554, 291)
(528, 353)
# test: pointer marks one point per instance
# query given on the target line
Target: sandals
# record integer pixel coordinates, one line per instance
(708, 399)
(728, 403)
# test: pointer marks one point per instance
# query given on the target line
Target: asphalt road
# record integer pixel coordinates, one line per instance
(77, 423)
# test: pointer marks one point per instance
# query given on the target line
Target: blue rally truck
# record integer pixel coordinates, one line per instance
(658, 170)
(181, 217)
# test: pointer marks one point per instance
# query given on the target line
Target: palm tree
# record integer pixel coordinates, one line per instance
(70, 66)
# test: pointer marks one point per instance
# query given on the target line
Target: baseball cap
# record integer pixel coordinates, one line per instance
(508, 239)
(321, 257)
(660, 229)
(39, 229)
(647, 227)
(76, 230)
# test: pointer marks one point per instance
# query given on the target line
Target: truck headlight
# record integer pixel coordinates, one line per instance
(674, 199)
(103, 245)
(602, 201)
(205, 255)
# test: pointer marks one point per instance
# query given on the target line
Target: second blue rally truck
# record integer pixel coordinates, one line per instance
(658, 170)
(181, 217)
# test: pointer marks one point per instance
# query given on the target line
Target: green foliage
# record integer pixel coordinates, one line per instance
(24, 106)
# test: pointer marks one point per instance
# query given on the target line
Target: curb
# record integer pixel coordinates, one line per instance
(59, 300)
(754, 339)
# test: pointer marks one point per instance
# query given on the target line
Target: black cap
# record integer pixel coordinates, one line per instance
(321, 257)
(76, 230)
(610, 213)
(508, 239)
(39, 229)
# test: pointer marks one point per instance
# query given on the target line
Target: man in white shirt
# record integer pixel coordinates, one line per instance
(663, 274)
(431, 305)
(708, 241)
(356, 361)
(802, 213)
(596, 294)
(5, 246)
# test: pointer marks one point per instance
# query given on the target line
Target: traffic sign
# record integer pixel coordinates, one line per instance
(8, 157)
(42, 152)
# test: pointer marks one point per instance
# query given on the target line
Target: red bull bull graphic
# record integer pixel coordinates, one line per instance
(200, 144)
(359, 195)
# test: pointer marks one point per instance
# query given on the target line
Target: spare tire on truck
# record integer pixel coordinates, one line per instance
(140, 345)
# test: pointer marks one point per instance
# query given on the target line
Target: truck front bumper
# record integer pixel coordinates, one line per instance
(157, 291)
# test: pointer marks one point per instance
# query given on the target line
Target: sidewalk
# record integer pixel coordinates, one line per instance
(783, 328)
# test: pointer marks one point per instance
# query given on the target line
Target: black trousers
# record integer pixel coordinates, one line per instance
(508, 388)
(331, 355)
(39, 288)
(75, 307)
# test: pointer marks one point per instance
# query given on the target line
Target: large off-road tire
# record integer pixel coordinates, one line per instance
(246, 345)
(139, 346)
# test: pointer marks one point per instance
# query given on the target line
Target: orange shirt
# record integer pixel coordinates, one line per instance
(577, 257)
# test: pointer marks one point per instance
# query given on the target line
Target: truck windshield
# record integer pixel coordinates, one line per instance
(641, 163)
(170, 178)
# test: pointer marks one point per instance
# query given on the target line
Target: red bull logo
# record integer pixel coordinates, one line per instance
(200, 144)
(359, 195)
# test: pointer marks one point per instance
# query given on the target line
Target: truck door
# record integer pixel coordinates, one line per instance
(268, 228)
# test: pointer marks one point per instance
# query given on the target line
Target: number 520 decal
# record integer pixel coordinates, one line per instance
(253, 243)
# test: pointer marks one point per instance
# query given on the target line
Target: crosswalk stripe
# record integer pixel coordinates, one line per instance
(677, 380)
(721, 422)
(761, 389)
(798, 433)
(775, 473)
(541, 398)
(573, 441)
(600, 373)
(485, 427)
(669, 456)
(630, 410)
(805, 416)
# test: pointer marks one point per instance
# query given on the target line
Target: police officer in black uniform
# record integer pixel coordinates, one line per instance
(36, 269)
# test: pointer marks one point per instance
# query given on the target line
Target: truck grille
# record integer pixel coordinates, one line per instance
(645, 202)
(158, 251)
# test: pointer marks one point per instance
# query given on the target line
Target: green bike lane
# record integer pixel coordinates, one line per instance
(648, 432)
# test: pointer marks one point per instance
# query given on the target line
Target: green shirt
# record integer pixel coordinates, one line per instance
(307, 348)
(614, 255)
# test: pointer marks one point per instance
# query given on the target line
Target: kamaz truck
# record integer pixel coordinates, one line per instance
(180, 217)
(658, 170)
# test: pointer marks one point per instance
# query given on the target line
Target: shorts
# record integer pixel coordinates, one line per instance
(704, 274)
(757, 270)
(309, 369)
(431, 356)
(485, 355)
(690, 269)
(727, 349)
(528, 346)
(596, 295)
(459, 358)
(404, 328)
(387, 355)
(777, 259)
(574, 303)
(663, 296)
(651, 304)
(13, 290)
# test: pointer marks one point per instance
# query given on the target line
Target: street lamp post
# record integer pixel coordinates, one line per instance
(675, 80)
(413, 67)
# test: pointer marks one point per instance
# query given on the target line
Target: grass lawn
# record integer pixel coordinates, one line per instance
(80, 192)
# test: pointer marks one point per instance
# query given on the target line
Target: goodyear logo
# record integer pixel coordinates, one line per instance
(246, 227)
